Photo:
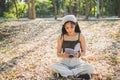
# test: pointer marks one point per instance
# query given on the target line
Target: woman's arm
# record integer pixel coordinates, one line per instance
(59, 48)
(83, 45)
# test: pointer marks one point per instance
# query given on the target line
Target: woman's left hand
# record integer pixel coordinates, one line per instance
(77, 55)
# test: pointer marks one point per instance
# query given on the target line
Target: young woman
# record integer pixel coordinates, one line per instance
(70, 65)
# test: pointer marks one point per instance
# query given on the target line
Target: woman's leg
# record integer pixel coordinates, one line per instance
(83, 69)
(62, 69)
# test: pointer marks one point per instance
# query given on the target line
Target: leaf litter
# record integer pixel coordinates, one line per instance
(30, 48)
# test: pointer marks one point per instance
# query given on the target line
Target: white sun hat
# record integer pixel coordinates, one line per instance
(69, 18)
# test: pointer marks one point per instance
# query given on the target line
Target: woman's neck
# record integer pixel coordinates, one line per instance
(73, 34)
(71, 37)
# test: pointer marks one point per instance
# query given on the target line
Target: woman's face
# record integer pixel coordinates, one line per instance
(70, 28)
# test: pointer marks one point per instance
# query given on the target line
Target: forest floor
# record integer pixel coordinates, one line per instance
(28, 48)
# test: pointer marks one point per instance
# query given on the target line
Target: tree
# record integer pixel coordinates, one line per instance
(31, 9)
(15, 3)
(70, 7)
(75, 7)
(98, 9)
(102, 4)
(86, 9)
(55, 8)
(64, 7)
(33, 16)
(118, 1)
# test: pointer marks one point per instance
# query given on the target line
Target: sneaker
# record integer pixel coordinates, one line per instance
(83, 76)
(60, 76)
(57, 75)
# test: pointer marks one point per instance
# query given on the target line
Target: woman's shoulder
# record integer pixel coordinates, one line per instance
(81, 36)
(60, 37)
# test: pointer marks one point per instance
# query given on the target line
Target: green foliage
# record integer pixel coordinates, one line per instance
(9, 15)
(22, 10)
(111, 7)
(81, 8)
(67, 2)
(10, 11)
(94, 9)
(44, 8)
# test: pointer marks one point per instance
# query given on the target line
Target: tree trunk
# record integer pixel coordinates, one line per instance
(75, 7)
(29, 9)
(79, 10)
(102, 3)
(55, 9)
(94, 9)
(86, 9)
(15, 3)
(98, 9)
(70, 7)
(64, 7)
(33, 16)
(90, 6)
(118, 8)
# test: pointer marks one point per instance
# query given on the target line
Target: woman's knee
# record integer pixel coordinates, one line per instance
(90, 68)
(53, 66)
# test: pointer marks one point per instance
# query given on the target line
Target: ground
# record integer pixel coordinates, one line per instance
(28, 48)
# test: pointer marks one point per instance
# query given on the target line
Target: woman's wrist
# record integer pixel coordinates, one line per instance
(82, 53)
(61, 55)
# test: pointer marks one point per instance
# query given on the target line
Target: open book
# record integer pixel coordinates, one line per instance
(73, 51)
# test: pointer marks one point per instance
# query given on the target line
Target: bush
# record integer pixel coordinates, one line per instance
(22, 10)
(44, 8)
(9, 15)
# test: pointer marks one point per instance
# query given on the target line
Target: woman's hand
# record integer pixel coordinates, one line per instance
(77, 55)
(66, 54)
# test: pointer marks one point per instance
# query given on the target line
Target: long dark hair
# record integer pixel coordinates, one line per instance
(77, 28)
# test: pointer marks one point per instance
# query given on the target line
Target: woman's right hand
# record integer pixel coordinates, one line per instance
(66, 55)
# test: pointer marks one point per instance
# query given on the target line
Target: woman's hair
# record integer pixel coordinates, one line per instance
(77, 28)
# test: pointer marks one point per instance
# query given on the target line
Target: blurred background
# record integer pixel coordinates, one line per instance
(57, 8)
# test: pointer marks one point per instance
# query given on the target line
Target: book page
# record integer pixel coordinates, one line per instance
(77, 47)
(70, 50)
(73, 51)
